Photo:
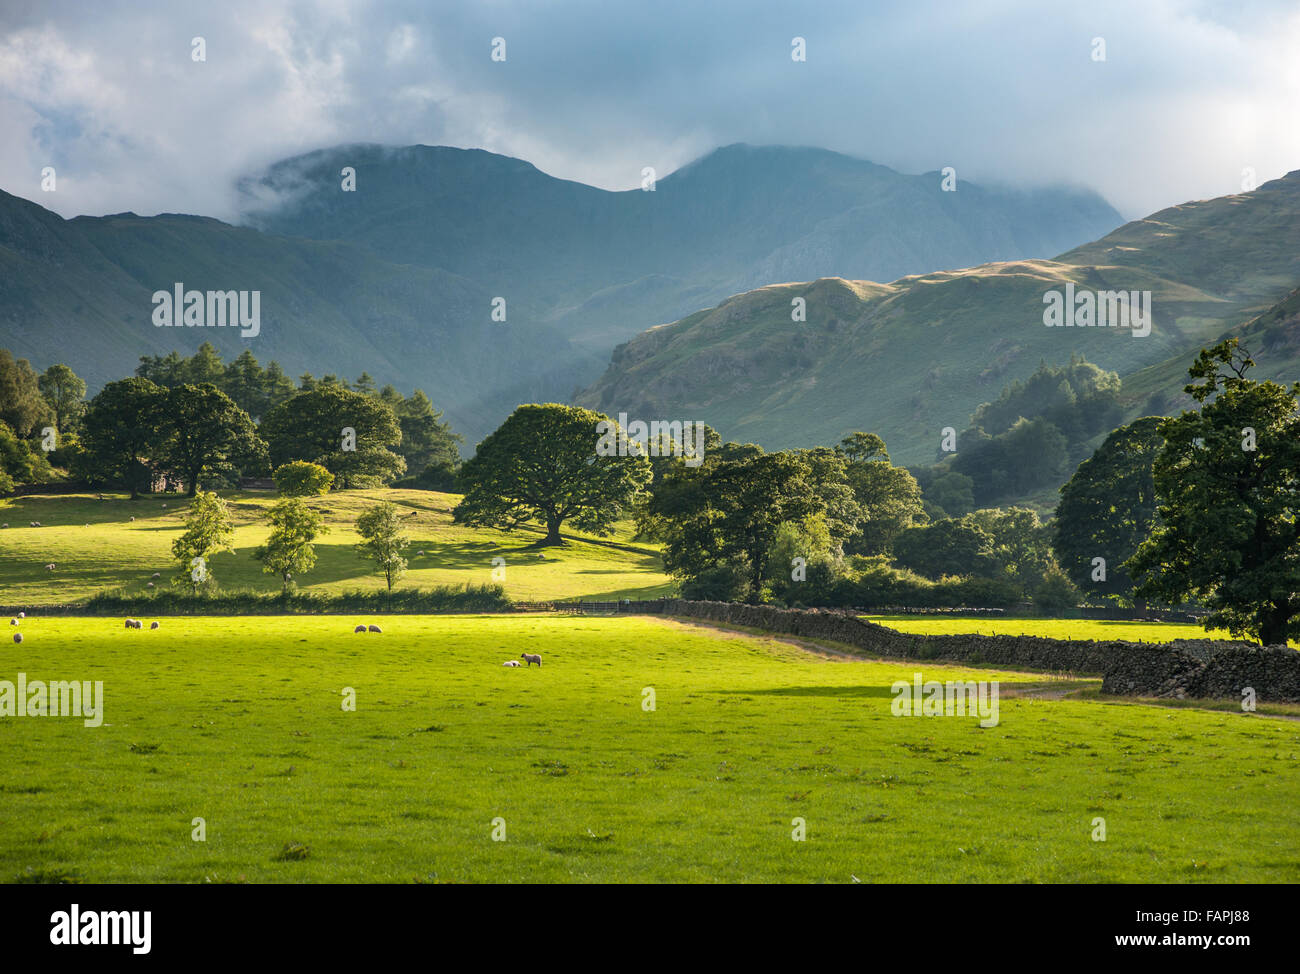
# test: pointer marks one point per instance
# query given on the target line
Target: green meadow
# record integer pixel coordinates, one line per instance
(94, 545)
(240, 722)
(1099, 629)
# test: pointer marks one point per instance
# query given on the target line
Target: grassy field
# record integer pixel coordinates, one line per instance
(239, 722)
(1099, 629)
(95, 546)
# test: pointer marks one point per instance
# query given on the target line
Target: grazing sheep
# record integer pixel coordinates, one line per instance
(18, 637)
(5, 525)
(359, 629)
(530, 658)
(50, 567)
(511, 662)
(156, 575)
(22, 615)
(374, 628)
(153, 625)
(13, 622)
(164, 505)
(150, 585)
(132, 520)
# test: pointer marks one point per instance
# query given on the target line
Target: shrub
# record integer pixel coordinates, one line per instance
(302, 479)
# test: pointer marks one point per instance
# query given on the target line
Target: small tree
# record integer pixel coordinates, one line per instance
(288, 550)
(302, 479)
(383, 539)
(209, 529)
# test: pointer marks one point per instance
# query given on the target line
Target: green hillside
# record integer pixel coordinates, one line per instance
(908, 358)
(96, 546)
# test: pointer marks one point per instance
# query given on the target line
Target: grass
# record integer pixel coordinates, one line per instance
(96, 547)
(239, 722)
(1099, 629)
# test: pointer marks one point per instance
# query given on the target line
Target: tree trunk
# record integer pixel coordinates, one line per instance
(1273, 624)
(553, 530)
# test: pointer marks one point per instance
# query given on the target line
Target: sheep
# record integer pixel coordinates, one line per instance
(133, 520)
(132, 624)
(153, 625)
(511, 662)
(50, 567)
(156, 575)
(22, 615)
(18, 637)
(359, 629)
(530, 658)
(5, 525)
(374, 628)
(150, 585)
(13, 622)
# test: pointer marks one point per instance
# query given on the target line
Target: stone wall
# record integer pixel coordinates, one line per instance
(1184, 668)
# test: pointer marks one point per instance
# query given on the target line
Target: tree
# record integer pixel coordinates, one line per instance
(207, 432)
(428, 445)
(1228, 498)
(22, 407)
(288, 550)
(302, 479)
(1108, 508)
(245, 383)
(1020, 546)
(124, 432)
(542, 464)
(350, 435)
(209, 529)
(888, 496)
(947, 547)
(730, 512)
(383, 539)
(65, 391)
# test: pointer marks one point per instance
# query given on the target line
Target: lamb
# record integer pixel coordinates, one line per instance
(18, 637)
(132, 520)
(13, 622)
(530, 658)
(22, 615)
(50, 567)
(511, 662)
(374, 628)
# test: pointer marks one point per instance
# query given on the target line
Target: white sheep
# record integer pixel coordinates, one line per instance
(150, 585)
(22, 615)
(156, 575)
(530, 658)
(511, 662)
(50, 567)
(133, 520)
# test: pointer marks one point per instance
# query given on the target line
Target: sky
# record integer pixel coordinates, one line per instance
(1190, 101)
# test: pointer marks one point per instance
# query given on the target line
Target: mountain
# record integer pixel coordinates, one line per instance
(907, 358)
(79, 291)
(605, 265)
(399, 277)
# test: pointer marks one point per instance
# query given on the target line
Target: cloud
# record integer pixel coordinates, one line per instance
(1190, 93)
